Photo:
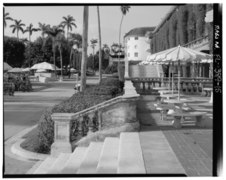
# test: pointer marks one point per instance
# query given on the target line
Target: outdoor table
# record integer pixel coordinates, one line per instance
(211, 91)
(170, 96)
(167, 92)
(177, 101)
(164, 108)
(179, 117)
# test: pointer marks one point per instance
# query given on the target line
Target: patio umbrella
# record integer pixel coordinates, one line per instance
(151, 59)
(44, 65)
(180, 55)
(41, 70)
(26, 69)
(6, 67)
(16, 70)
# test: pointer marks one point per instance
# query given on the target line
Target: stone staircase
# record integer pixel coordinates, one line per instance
(113, 156)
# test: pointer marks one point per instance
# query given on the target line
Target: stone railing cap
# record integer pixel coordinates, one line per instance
(62, 116)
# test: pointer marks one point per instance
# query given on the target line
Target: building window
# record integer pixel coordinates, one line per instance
(135, 46)
(136, 54)
(128, 54)
(136, 38)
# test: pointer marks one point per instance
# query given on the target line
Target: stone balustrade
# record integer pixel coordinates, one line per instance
(187, 85)
(73, 126)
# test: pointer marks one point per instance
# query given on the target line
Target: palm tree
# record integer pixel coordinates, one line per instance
(93, 45)
(43, 27)
(53, 32)
(100, 52)
(75, 41)
(6, 17)
(124, 10)
(17, 27)
(60, 42)
(30, 30)
(69, 23)
(84, 47)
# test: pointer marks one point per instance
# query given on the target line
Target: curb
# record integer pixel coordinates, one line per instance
(16, 151)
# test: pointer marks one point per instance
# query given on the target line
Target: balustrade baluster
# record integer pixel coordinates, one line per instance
(74, 130)
(80, 128)
(143, 88)
(190, 88)
(99, 119)
(90, 124)
(186, 87)
(149, 85)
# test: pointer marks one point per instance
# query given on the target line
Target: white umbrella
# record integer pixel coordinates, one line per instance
(26, 69)
(73, 70)
(6, 67)
(44, 65)
(180, 55)
(41, 70)
(16, 70)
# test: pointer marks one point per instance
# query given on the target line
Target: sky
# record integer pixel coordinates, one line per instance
(138, 16)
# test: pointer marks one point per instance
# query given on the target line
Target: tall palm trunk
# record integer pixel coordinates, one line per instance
(61, 62)
(84, 47)
(29, 50)
(67, 33)
(70, 62)
(100, 52)
(119, 65)
(93, 58)
(54, 58)
(17, 34)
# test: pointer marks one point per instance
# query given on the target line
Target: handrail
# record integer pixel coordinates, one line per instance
(97, 107)
(195, 41)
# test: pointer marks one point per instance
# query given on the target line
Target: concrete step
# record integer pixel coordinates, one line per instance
(45, 165)
(109, 156)
(89, 164)
(59, 164)
(130, 158)
(75, 160)
(34, 167)
(158, 154)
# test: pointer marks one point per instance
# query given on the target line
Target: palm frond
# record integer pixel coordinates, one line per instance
(14, 29)
(73, 24)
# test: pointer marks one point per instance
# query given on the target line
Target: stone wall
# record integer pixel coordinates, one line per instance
(146, 71)
(120, 113)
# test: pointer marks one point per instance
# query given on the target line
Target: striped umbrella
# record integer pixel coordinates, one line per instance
(180, 55)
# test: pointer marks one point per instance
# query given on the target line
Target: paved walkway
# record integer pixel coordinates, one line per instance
(192, 146)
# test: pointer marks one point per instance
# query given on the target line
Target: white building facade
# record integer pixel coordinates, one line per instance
(137, 44)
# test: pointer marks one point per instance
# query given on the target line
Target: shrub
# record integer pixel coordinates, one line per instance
(45, 132)
(91, 96)
(19, 81)
(111, 69)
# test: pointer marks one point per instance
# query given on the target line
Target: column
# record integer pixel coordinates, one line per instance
(126, 68)
(184, 70)
(192, 69)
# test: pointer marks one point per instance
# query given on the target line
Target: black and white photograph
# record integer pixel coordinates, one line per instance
(112, 90)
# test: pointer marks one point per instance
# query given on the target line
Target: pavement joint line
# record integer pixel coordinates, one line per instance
(17, 152)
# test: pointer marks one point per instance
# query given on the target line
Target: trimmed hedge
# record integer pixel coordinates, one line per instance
(109, 88)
